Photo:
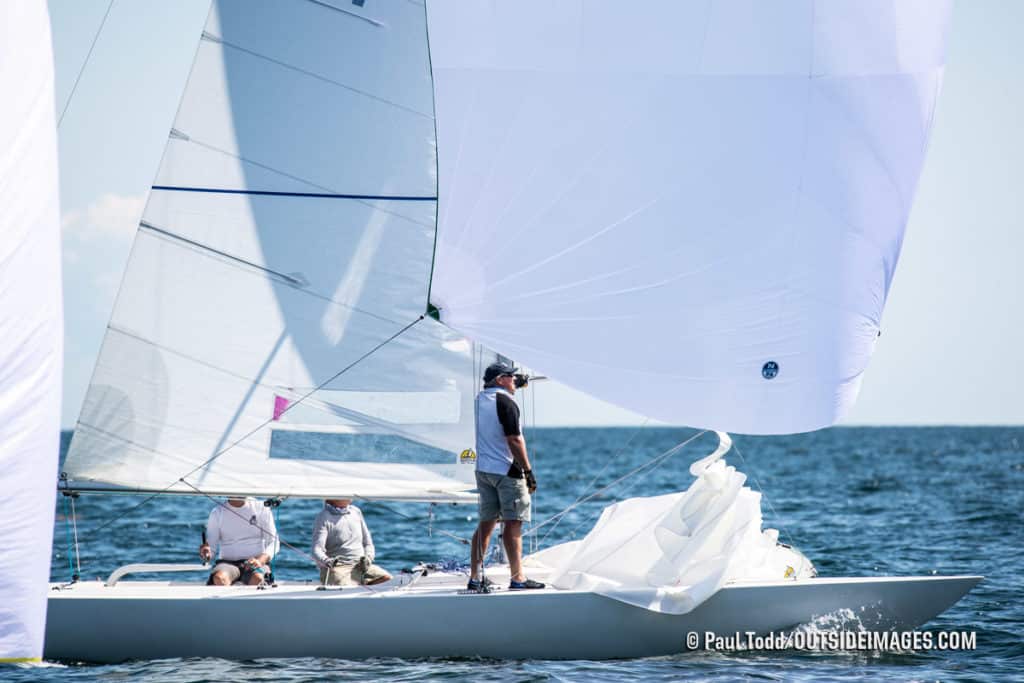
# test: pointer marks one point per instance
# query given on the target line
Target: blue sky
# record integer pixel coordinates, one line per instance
(953, 331)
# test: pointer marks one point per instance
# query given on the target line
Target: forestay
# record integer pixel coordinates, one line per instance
(289, 232)
(31, 324)
(691, 209)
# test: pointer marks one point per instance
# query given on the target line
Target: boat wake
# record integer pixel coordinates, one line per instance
(832, 622)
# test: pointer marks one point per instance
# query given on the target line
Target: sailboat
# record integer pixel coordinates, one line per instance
(692, 210)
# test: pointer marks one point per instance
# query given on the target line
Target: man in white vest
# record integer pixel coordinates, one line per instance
(504, 478)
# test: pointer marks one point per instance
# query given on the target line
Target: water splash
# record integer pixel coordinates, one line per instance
(840, 620)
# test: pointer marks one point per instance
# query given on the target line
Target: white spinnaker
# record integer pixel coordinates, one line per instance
(290, 231)
(691, 209)
(670, 553)
(31, 323)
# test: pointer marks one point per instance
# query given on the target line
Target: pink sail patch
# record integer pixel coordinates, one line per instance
(280, 405)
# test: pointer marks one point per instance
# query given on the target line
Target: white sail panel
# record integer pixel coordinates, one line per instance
(31, 324)
(290, 233)
(699, 220)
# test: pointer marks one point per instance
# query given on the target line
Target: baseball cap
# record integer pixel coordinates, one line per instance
(497, 369)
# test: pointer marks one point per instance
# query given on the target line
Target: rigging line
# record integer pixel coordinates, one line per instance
(275, 536)
(625, 493)
(82, 70)
(650, 463)
(747, 467)
(533, 437)
(67, 530)
(315, 195)
(74, 528)
(597, 476)
(264, 530)
(249, 393)
(255, 429)
(460, 539)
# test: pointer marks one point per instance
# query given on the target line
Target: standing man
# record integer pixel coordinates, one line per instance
(503, 476)
(244, 531)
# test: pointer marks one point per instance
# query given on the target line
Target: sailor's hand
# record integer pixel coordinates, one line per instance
(205, 553)
(531, 481)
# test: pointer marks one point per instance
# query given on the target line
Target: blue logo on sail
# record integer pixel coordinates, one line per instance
(770, 369)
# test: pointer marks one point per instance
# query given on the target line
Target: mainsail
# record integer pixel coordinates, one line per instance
(693, 210)
(276, 288)
(31, 323)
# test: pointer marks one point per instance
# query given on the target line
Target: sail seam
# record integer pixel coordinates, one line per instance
(69, 484)
(252, 53)
(185, 356)
(260, 426)
(323, 406)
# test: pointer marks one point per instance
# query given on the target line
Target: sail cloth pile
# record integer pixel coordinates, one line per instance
(31, 324)
(671, 553)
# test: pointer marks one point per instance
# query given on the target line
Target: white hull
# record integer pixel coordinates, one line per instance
(153, 620)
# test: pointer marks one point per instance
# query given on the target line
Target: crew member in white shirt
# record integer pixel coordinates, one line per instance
(343, 547)
(244, 532)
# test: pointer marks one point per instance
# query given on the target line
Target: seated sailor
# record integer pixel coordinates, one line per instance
(243, 529)
(343, 547)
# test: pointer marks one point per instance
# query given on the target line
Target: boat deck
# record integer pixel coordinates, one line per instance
(435, 616)
(432, 583)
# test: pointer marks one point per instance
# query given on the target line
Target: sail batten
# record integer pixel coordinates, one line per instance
(312, 195)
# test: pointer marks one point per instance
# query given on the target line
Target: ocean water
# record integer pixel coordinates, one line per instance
(857, 501)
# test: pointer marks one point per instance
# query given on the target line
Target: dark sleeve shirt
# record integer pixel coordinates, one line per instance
(508, 415)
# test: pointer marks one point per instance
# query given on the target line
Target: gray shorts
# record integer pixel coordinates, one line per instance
(502, 497)
(236, 571)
